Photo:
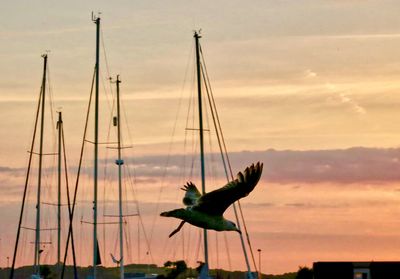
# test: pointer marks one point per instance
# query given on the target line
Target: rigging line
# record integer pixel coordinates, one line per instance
(135, 196)
(247, 234)
(26, 185)
(78, 173)
(199, 246)
(183, 243)
(106, 179)
(126, 122)
(126, 234)
(138, 239)
(42, 110)
(126, 231)
(131, 182)
(106, 59)
(205, 75)
(227, 158)
(108, 140)
(190, 101)
(51, 103)
(115, 237)
(108, 74)
(128, 244)
(214, 114)
(125, 117)
(107, 95)
(172, 253)
(188, 241)
(194, 138)
(242, 217)
(139, 215)
(213, 110)
(186, 133)
(217, 249)
(170, 148)
(146, 238)
(210, 169)
(238, 202)
(45, 174)
(228, 251)
(69, 201)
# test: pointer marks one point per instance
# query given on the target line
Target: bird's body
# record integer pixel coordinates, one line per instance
(206, 211)
(201, 220)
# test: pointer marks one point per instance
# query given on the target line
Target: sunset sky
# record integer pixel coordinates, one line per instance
(310, 88)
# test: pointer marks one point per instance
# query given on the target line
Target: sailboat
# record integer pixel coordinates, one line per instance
(96, 256)
(203, 82)
(37, 229)
(119, 162)
(39, 243)
(96, 259)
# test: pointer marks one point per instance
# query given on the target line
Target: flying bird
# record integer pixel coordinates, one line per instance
(115, 260)
(206, 211)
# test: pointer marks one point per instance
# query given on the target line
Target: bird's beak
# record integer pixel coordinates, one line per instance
(239, 231)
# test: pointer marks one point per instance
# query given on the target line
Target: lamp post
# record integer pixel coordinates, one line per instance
(259, 263)
(8, 264)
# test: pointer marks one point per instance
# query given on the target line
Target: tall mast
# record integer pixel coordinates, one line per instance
(120, 162)
(37, 237)
(59, 127)
(225, 162)
(96, 146)
(203, 180)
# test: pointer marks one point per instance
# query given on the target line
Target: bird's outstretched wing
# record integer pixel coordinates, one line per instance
(192, 194)
(217, 201)
(114, 259)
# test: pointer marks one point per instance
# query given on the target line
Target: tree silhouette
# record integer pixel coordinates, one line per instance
(304, 273)
(177, 268)
(45, 271)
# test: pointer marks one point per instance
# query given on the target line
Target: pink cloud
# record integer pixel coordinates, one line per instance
(358, 164)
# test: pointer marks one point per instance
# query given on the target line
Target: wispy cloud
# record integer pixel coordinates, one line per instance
(357, 36)
(4, 169)
(344, 98)
(310, 74)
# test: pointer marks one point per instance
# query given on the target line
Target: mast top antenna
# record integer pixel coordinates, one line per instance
(197, 33)
(44, 55)
(95, 17)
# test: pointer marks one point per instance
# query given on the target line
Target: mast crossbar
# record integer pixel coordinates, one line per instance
(101, 223)
(125, 215)
(33, 229)
(43, 154)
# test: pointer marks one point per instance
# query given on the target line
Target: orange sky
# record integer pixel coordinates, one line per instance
(309, 79)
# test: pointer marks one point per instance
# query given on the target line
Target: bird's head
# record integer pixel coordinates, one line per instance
(232, 226)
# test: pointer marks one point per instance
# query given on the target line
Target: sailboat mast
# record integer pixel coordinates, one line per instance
(37, 238)
(120, 162)
(59, 127)
(201, 129)
(96, 148)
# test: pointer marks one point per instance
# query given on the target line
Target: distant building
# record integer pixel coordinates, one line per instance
(356, 270)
